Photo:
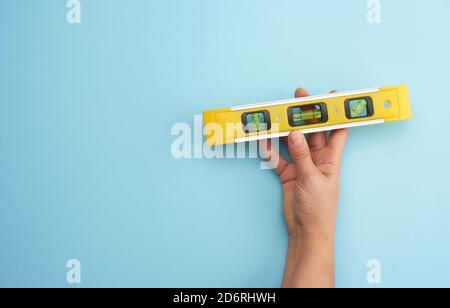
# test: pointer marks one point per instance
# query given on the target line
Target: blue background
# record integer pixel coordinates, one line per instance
(86, 170)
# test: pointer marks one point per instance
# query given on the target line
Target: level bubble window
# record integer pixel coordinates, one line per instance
(307, 115)
(357, 108)
(256, 121)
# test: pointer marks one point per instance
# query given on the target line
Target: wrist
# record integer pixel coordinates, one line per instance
(313, 256)
(317, 241)
(311, 235)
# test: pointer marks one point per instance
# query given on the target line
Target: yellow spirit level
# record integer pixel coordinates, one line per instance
(308, 114)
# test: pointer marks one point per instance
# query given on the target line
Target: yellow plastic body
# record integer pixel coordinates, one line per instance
(224, 126)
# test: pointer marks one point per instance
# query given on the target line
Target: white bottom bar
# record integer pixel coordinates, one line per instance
(309, 131)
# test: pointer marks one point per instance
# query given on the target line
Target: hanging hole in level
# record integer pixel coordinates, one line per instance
(387, 104)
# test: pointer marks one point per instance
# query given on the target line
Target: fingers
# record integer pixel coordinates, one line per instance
(300, 92)
(337, 141)
(317, 140)
(300, 154)
(277, 162)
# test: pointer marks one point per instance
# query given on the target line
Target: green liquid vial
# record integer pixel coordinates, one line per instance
(307, 115)
(359, 109)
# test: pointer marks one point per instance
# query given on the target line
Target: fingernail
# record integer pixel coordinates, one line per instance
(296, 139)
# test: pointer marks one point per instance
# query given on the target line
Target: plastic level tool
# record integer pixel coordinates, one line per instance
(308, 114)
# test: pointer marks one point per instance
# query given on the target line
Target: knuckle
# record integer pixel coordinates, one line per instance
(301, 154)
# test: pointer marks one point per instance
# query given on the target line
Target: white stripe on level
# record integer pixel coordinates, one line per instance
(309, 131)
(305, 99)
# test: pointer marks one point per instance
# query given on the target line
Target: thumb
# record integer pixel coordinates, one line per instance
(300, 154)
